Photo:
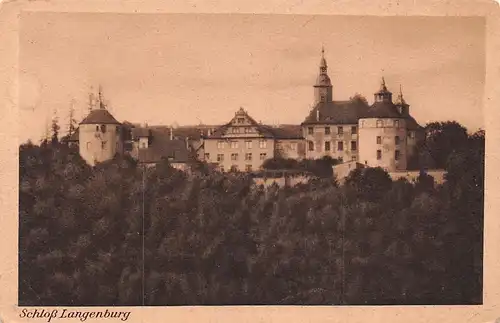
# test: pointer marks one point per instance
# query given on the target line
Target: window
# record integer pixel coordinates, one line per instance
(340, 130)
(248, 156)
(340, 146)
(293, 146)
(220, 144)
(221, 168)
(234, 168)
(341, 159)
(262, 144)
(354, 158)
(379, 140)
(248, 144)
(396, 140)
(220, 157)
(117, 130)
(247, 130)
(411, 134)
(323, 98)
(263, 156)
(241, 120)
(310, 145)
(234, 156)
(234, 144)
(397, 155)
(89, 145)
(103, 144)
(207, 156)
(103, 128)
(354, 145)
(396, 123)
(354, 130)
(327, 130)
(379, 154)
(248, 168)
(380, 124)
(310, 130)
(327, 146)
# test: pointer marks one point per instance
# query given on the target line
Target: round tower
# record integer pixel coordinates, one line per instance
(382, 134)
(99, 136)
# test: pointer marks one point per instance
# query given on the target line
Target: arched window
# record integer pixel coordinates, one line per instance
(380, 123)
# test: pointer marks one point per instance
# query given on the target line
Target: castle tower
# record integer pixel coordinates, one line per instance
(99, 136)
(323, 86)
(403, 107)
(383, 134)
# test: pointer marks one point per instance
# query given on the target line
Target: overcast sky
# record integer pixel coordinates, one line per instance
(192, 68)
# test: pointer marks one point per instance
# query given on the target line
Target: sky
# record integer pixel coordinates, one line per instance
(186, 69)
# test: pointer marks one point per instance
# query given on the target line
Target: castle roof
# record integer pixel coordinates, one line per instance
(99, 116)
(337, 112)
(383, 109)
(266, 131)
(161, 147)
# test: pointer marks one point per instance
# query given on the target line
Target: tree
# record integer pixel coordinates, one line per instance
(442, 138)
(55, 129)
(71, 119)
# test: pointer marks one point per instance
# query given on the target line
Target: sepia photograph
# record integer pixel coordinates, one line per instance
(192, 159)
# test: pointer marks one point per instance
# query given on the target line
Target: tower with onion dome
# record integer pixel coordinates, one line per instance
(323, 86)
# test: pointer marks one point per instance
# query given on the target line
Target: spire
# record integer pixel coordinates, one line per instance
(401, 99)
(383, 94)
(383, 87)
(322, 65)
(101, 103)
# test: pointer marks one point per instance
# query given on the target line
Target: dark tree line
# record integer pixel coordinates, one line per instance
(216, 239)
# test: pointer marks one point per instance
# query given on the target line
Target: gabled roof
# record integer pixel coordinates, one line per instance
(99, 116)
(265, 131)
(337, 112)
(161, 146)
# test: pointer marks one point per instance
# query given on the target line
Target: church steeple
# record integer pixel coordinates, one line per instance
(323, 86)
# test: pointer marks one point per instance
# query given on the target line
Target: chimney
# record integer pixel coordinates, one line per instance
(317, 115)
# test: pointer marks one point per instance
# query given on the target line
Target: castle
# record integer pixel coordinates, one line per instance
(383, 134)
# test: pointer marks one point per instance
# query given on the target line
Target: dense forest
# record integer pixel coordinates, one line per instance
(217, 239)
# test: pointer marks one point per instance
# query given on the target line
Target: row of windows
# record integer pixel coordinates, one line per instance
(235, 144)
(235, 157)
(397, 155)
(328, 146)
(328, 130)
(242, 130)
(397, 140)
(380, 123)
(103, 128)
(235, 168)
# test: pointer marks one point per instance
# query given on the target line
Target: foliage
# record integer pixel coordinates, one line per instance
(212, 238)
